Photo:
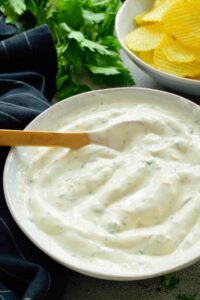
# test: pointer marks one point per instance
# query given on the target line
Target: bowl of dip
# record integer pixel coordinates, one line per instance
(125, 24)
(126, 209)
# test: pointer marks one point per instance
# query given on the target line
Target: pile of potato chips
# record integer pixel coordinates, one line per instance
(168, 37)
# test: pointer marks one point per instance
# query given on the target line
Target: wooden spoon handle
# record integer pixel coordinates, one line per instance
(73, 140)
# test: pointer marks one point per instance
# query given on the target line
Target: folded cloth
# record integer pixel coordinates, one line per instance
(28, 66)
(6, 30)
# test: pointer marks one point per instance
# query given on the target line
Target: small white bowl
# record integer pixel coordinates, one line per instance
(125, 24)
(46, 121)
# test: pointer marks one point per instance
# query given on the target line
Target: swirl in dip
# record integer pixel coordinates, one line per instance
(130, 206)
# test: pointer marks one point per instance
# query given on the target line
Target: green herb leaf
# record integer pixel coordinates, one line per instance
(75, 55)
(103, 70)
(111, 42)
(85, 43)
(169, 282)
(51, 8)
(107, 26)
(18, 6)
(70, 11)
(31, 6)
(92, 18)
(61, 80)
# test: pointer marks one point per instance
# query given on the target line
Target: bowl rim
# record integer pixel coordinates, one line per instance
(140, 61)
(95, 274)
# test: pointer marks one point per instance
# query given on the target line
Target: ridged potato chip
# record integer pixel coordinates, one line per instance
(183, 22)
(176, 51)
(158, 12)
(179, 69)
(145, 38)
(158, 2)
(147, 57)
(168, 37)
(139, 19)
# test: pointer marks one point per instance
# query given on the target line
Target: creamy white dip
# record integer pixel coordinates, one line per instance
(131, 205)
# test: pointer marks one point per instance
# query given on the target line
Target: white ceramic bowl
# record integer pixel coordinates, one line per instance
(125, 24)
(45, 121)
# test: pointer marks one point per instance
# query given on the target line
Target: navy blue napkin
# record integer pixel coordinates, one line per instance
(28, 67)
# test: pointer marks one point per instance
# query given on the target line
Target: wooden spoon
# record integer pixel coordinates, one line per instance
(110, 135)
(73, 140)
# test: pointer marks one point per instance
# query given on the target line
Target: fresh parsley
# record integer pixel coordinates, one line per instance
(83, 30)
